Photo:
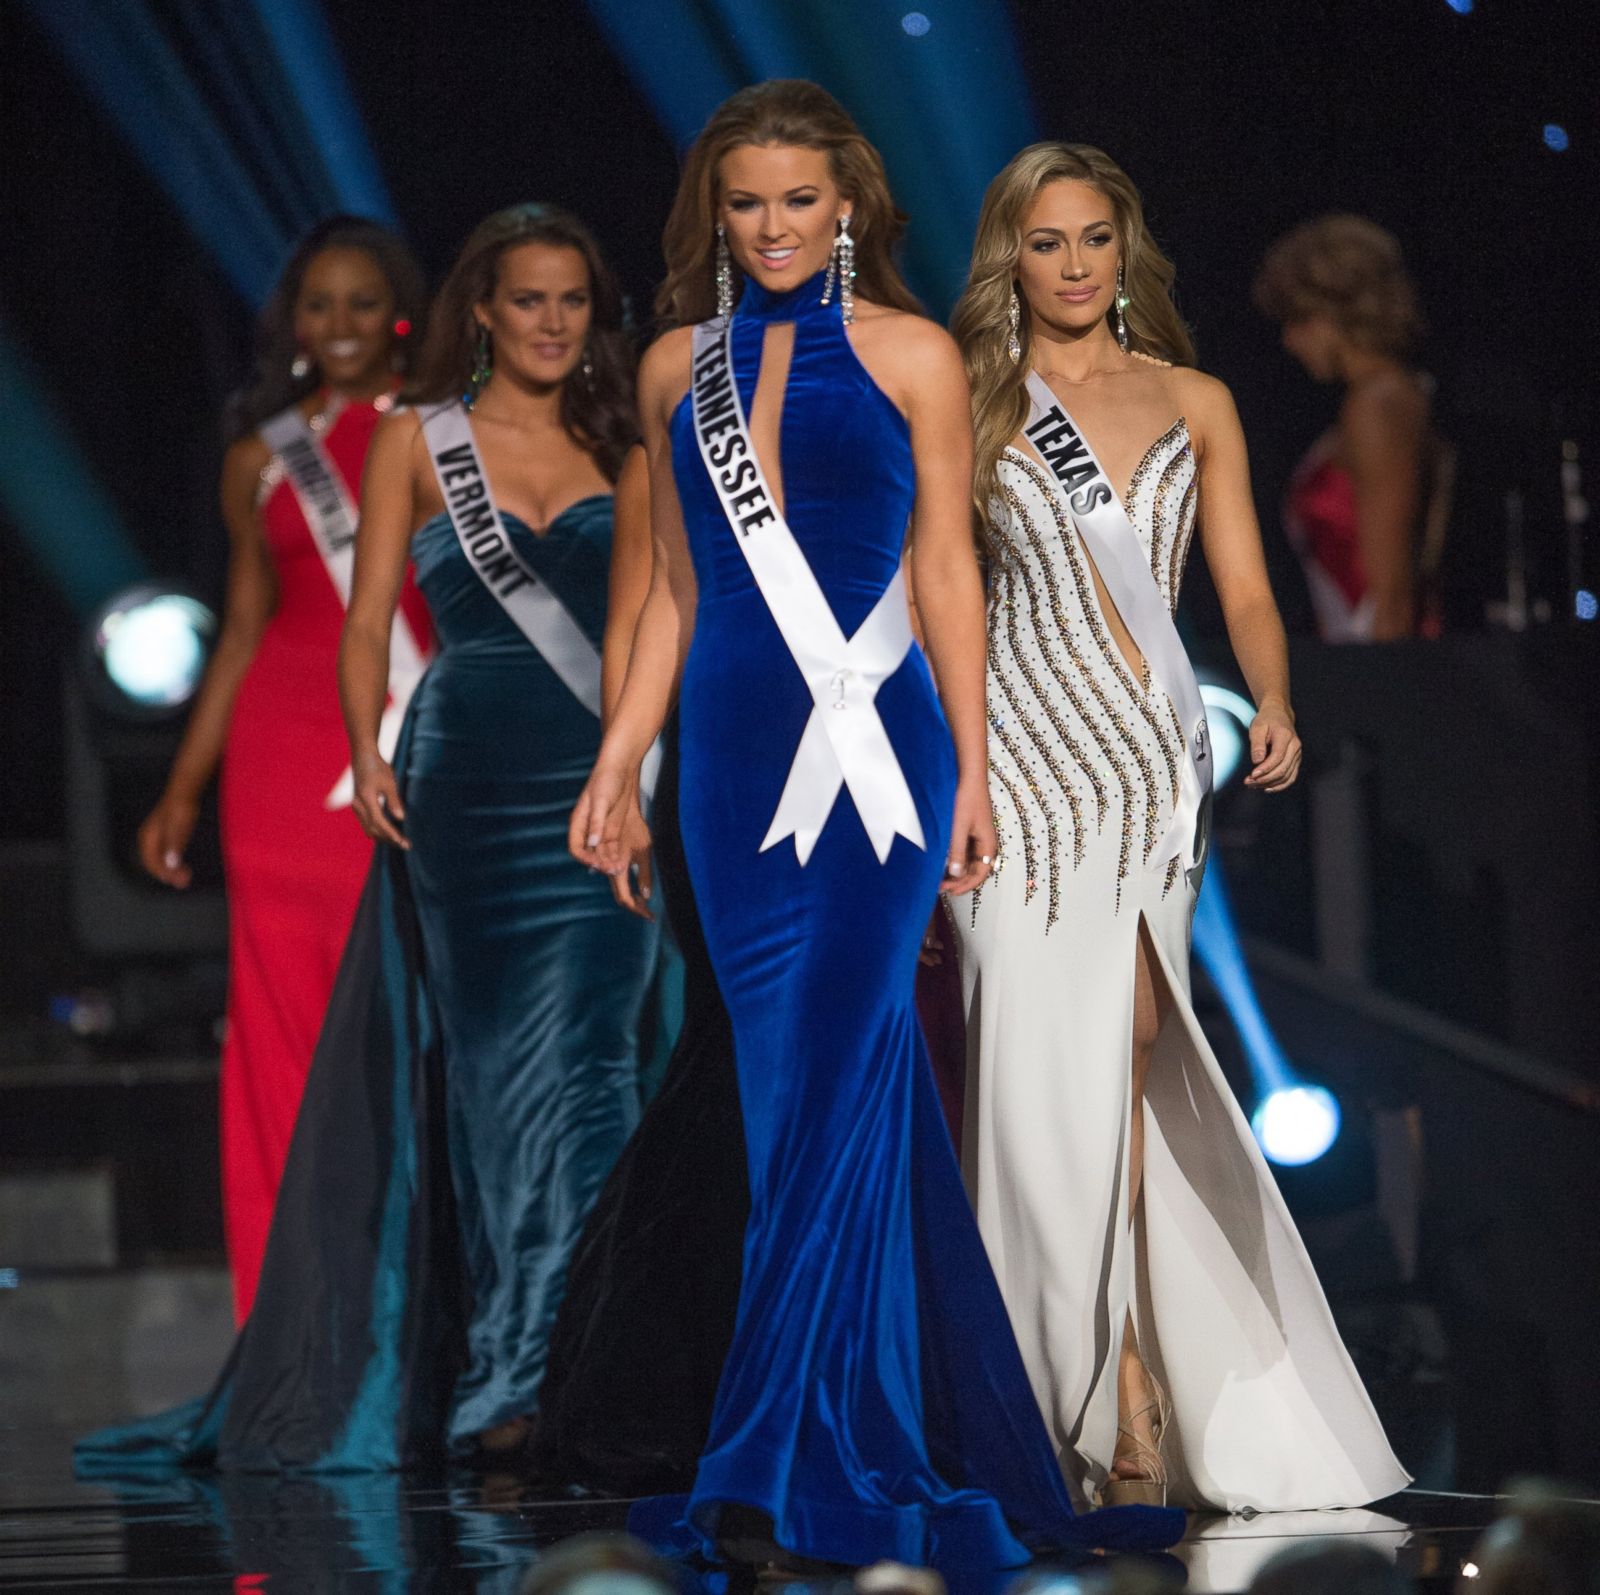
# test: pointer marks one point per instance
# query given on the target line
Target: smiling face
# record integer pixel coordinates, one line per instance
(539, 313)
(781, 208)
(344, 317)
(1068, 267)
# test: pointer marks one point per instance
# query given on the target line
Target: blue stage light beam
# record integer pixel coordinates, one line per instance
(306, 49)
(123, 59)
(50, 495)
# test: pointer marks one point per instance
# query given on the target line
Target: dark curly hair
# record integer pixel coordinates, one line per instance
(597, 410)
(273, 388)
(1350, 270)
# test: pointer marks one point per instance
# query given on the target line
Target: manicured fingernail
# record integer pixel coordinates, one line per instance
(952, 868)
(171, 860)
(593, 839)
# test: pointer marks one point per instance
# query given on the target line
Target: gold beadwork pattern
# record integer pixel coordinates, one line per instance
(1063, 703)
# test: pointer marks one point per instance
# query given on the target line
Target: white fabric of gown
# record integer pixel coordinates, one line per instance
(1268, 1411)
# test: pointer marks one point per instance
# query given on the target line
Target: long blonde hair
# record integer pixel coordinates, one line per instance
(981, 322)
(798, 114)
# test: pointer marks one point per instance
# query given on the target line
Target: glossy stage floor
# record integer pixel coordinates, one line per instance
(480, 1537)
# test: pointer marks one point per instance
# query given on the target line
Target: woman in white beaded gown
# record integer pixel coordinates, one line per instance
(1175, 1333)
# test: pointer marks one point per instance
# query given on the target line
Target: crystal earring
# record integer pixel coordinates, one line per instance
(1122, 304)
(588, 365)
(842, 272)
(482, 364)
(300, 366)
(1014, 320)
(724, 274)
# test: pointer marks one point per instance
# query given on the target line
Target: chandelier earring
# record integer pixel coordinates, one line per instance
(482, 365)
(724, 274)
(1122, 305)
(842, 272)
(1014, 321)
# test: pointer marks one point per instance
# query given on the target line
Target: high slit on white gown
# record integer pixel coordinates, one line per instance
(1268, 1411)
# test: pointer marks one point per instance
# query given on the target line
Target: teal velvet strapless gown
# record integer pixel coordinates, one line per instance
(476, 1078)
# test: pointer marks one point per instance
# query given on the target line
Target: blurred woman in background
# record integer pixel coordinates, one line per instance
(1367, 506)
(334, 343)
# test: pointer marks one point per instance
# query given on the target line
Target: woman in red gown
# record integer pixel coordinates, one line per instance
(333, 343)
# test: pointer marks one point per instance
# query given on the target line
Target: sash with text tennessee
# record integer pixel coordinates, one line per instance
(844, 742)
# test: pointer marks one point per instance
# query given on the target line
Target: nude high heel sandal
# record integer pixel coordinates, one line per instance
(1149, 1486)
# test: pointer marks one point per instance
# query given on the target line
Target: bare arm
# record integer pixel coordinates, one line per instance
(949, 587)
(661, 638)
(383, 545)
(1381, 433)
(252, 595)
(631, 558)
(1231, 537)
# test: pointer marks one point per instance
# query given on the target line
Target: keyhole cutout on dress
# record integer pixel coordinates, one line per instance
(1120, 635)
(766, 410)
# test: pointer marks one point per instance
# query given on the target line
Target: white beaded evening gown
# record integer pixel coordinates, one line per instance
(1268, 1411)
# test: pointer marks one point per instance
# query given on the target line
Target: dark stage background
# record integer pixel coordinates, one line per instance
(1237, 121)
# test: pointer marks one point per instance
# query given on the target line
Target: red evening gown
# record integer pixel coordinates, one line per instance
(294, 867)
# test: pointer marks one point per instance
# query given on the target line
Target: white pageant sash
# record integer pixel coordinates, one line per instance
(534, 609)
(844, 742)
(1092, 503)
(330, 513)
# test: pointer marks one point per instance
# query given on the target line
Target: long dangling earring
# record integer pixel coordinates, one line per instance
(588, 365)
(1014, 318)
(482, 365)
(842, 272)
(300, 366)
(1122, 304)
(724, 274)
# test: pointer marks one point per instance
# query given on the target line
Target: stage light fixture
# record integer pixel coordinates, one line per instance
(1296, 1124)
(915, 23)
(147, 650)
(1460, 7)
(1585, 605)
(1555, 137)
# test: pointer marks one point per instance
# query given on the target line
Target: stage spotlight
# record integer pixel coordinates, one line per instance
(1585, 605)
(1296, 1124)
(1555, 136)
(1228, 714)
(915, 23)
(1460, 7)
(147, 650)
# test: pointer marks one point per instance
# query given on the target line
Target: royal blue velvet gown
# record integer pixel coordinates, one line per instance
(476, 1077)
(873, 1402)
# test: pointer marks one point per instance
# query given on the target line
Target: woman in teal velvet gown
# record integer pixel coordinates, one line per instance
(478, 1073)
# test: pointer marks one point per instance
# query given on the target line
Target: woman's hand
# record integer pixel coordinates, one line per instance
(164, 838)
(377, 800)
(631, 884)
(974, 843)
(596, 832)
(1274, 748)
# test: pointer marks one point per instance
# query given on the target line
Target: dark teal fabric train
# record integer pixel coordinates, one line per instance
(873, 1403)
(476, 1077)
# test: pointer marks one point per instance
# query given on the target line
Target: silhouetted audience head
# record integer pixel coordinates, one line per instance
(600, 1564)
(1127, 1575)
(1330, 1567)
(1546, 1543)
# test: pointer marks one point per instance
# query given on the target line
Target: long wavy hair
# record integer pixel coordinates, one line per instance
(981, 320)
(598, 409)
(795, 113)
(273, 387)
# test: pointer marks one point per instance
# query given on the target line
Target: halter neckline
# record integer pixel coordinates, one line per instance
(793, 304)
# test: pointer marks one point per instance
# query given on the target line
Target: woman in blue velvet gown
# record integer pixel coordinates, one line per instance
(873, 1402)
(477, 1075)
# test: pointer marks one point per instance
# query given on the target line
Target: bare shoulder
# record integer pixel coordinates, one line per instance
(1386, 399)
(665, 370)
(914, 360)
(246, 456)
